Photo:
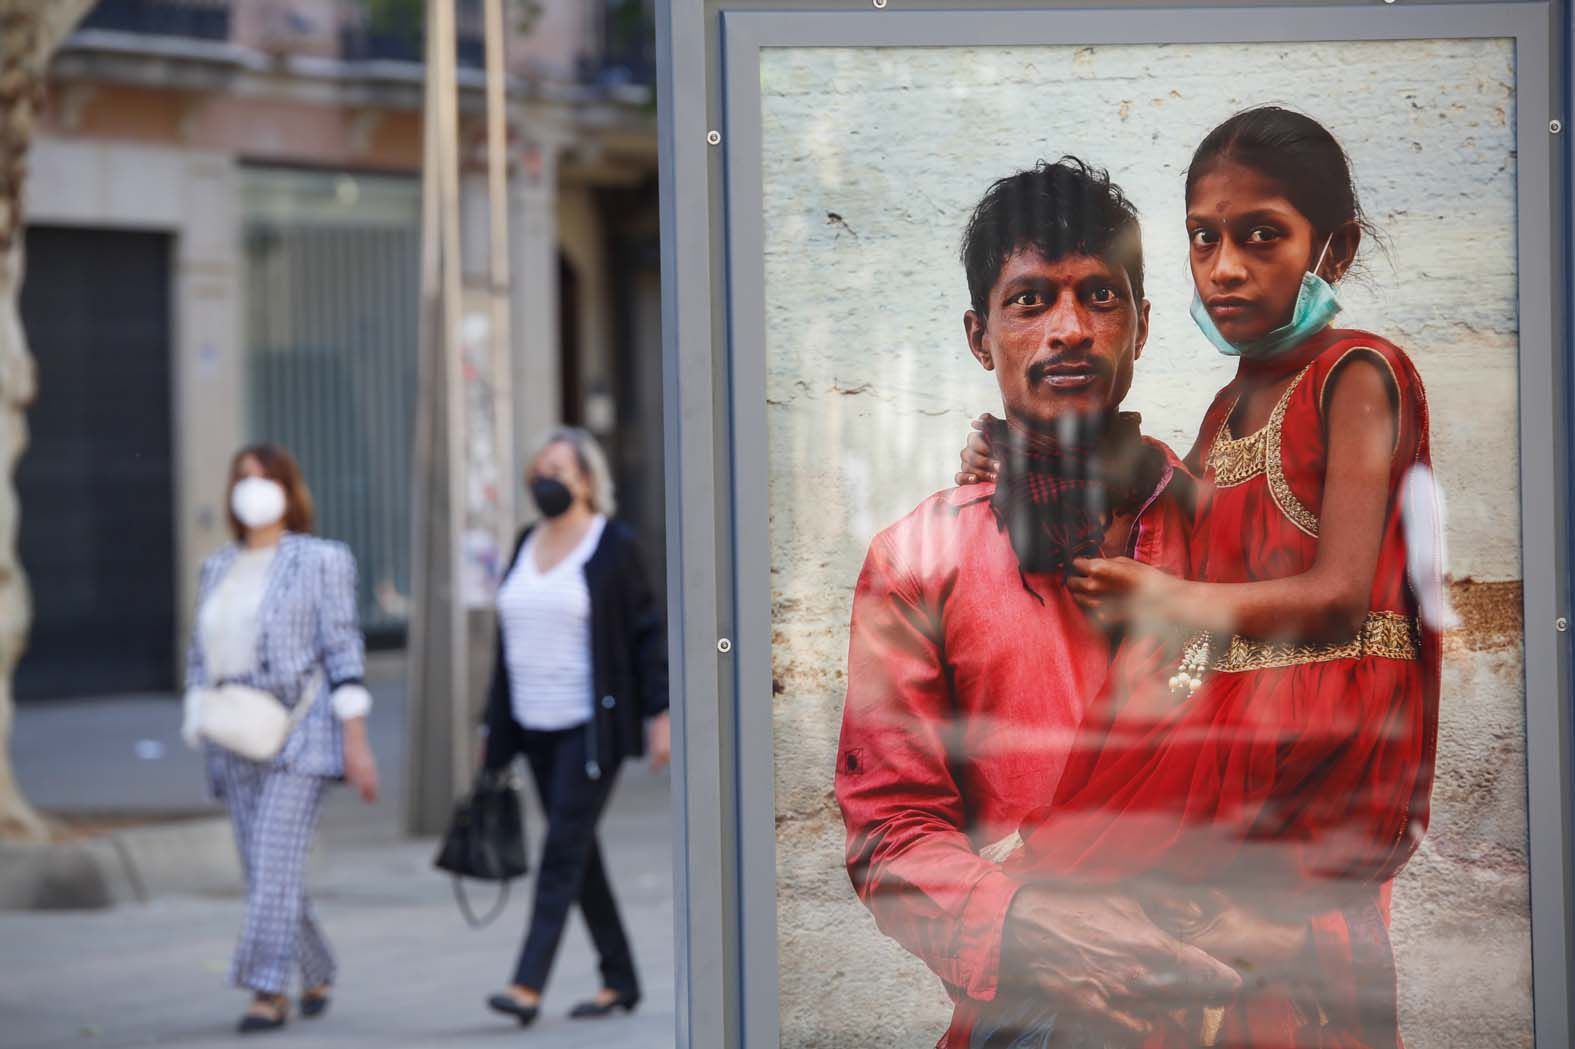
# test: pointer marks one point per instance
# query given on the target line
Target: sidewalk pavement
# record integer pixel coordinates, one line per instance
(412, 973)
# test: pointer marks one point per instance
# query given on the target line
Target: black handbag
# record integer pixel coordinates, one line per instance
(485, 841)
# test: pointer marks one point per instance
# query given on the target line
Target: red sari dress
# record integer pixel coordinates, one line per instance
(1298, 774)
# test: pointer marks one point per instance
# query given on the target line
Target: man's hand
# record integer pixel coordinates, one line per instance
(1101, 957)
(1247, 938)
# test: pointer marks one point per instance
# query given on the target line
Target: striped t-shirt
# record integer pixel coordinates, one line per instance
(546, 623)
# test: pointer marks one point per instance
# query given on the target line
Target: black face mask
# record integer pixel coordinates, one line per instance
(552, 496)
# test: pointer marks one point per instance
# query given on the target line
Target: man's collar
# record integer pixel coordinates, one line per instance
(968, 494)
(1174, 478)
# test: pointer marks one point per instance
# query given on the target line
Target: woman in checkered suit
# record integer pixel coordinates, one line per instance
(276, 611)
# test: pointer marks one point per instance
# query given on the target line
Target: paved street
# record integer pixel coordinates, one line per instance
(412, 972)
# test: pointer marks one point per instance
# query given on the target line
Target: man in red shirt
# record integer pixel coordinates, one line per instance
(969, 661)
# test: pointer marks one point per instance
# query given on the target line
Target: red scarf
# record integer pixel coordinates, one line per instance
(1055, 497)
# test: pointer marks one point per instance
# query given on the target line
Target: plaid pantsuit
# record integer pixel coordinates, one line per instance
(274, 812)
(307, 620)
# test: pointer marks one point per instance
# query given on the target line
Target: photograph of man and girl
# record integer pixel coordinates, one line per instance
(1234, 732)
(1147, 646)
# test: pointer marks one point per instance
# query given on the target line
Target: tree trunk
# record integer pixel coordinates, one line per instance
(30, 30)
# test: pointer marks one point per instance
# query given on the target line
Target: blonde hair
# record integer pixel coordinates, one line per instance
(592, 462)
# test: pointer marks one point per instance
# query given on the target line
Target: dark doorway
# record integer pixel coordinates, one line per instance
(571, 387)
(96, 486)
(630, 216)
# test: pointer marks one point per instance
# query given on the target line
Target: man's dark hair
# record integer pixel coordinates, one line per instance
(1060, 209)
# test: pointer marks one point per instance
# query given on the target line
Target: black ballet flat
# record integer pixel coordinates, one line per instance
(594, 1010)
(314, 1005)
(508, 1005)
(252, 1023)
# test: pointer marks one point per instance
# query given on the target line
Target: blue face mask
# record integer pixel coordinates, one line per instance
(1316, 305)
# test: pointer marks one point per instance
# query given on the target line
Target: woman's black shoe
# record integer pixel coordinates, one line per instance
(508, 1005)
(314, 1005)
(594, 1010)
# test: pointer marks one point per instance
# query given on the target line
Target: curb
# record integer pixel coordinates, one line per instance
(130, 865)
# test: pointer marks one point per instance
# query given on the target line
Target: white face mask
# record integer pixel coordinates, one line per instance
(257, 501)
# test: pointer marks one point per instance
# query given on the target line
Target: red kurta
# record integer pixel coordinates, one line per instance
(966, 683)
(1300, 769)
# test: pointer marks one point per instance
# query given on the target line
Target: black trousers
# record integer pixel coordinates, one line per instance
(571, 863)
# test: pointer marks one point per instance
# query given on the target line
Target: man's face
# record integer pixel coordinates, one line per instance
(1061, 336)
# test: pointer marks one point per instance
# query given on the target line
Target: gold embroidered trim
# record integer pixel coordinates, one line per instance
(1279, 487)
(1236, 460)
(1385, 635)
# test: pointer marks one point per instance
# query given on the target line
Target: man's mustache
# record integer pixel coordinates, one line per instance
(1041, 369)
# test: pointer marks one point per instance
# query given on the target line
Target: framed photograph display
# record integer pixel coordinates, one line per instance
(1117, 501)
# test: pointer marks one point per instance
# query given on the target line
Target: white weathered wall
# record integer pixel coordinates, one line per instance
(873, 159)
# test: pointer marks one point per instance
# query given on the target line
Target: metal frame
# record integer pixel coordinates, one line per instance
(714, 367)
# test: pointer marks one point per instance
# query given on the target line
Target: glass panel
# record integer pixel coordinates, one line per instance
(1232, 764)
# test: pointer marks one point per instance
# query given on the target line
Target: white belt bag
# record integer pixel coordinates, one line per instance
(251, 722)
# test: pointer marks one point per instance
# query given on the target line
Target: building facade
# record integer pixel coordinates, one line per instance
(224, 240)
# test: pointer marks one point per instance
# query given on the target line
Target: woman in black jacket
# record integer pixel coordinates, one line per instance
(580, 684)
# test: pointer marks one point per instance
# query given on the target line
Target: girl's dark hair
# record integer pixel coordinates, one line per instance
(277, 465)
(1296, 152)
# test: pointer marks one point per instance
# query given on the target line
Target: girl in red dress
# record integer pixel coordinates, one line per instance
(1267, 735)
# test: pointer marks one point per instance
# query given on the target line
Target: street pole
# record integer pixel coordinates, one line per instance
(442, 28)
(498, 239)
(440, 731)
(418, 654)
(441, 720)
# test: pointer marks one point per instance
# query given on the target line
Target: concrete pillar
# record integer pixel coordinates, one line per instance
(474, 224)
(210, 368)
(533, 249)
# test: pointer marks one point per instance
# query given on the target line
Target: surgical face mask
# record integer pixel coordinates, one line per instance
(1316, 305)
(258, 502)
(552, 496)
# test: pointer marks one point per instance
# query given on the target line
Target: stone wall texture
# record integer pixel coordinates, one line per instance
(873, 159)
